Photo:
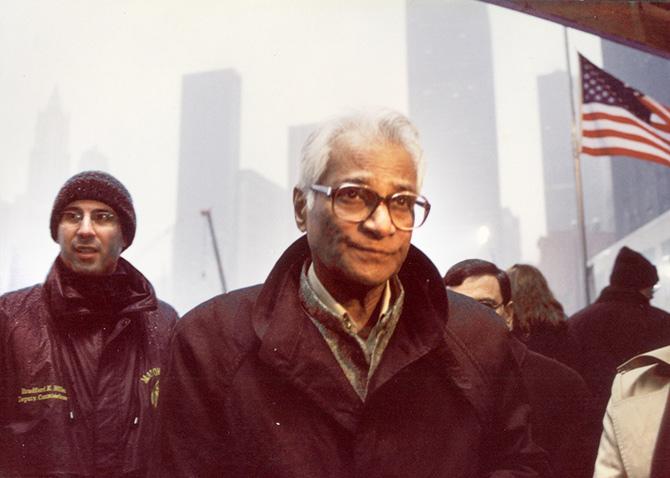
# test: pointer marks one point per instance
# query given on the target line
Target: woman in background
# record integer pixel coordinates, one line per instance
(538, 318)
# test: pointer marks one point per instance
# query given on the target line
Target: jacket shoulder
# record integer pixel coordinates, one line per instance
(553, 379)
(218, 332)
(22, 308)
(15, 301)
(480, 341)
(642, 375)
(474, 324)
(167, 312)
(660, 313)
(218, 312)
(161, 322)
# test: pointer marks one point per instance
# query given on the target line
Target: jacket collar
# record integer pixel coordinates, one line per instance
(660, 465)
(659, 356)
(294, 347)
(618, 294)
(74, 297)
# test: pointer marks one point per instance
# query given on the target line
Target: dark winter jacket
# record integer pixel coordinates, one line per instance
(559, 401)
(79, 368)
(618, 326)
(554, 342)
(252, 390)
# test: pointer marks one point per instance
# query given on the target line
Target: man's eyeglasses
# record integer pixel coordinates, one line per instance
(98, 218)
(490, 304)
(356, 203)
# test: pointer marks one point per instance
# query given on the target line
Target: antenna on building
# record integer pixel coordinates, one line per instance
(208, 215)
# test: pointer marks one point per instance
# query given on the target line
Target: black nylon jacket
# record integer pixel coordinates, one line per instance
(252, 390)
(79, 378)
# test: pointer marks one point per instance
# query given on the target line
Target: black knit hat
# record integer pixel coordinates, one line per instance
(632, 270)
(96, 186)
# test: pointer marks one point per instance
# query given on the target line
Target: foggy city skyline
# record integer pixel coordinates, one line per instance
(121, 103)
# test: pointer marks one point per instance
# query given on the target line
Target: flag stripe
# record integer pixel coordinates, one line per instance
(595, 111)
(596, 124)
(634, 153)
(624, 144)
(660, 116)
(603, 133)
(656, 107)
(625, 128)
(659, 125)
(618, 120)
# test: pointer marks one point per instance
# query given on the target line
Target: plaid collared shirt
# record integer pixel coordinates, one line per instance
(358, 357)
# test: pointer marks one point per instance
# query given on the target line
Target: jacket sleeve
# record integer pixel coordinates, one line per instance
(192, 435)
(512, 452)
(480, 340)
(609, 463)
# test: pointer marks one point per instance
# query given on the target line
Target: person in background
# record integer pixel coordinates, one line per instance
(81, 354)
(557, 394)
(619, 325)
(342, 363)
(538, 319)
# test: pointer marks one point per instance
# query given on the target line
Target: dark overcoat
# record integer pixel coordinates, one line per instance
(252, 390)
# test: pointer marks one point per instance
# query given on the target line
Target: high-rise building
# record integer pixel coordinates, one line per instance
(297, 135)
(510, 239)
(557, 157)
(452, 102)
(266, 226)
(560, 249)
(49, 167)
(641, 189)
(50, 157)
(208, 171)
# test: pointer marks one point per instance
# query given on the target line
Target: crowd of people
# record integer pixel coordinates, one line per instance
(355, 358)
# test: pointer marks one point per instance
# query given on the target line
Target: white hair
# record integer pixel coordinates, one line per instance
(357, 130)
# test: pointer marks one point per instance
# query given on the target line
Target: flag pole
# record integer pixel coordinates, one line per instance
(579, 190)
(208, 215)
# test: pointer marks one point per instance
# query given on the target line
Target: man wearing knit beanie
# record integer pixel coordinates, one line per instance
(619, 325)
(633, 271)
(82, 353)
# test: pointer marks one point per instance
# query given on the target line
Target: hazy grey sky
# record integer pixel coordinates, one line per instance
(118, 67)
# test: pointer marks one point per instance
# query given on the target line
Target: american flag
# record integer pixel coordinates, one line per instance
(618, 120)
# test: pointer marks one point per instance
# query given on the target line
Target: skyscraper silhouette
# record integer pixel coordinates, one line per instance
(641, 189)
(31, 254)
(265, 226)
(452, 102)
(208, 169)
(560, 249)
(297, 135)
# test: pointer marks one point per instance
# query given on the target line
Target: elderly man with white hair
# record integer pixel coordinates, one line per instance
(348, 360)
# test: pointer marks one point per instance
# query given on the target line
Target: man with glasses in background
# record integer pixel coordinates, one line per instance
(341, 364)
(558, 396)
(81, 354)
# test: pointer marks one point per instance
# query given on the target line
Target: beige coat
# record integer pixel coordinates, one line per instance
(633, 417)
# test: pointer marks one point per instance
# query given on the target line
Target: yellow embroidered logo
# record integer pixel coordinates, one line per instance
(37, 394)
(146, 378)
